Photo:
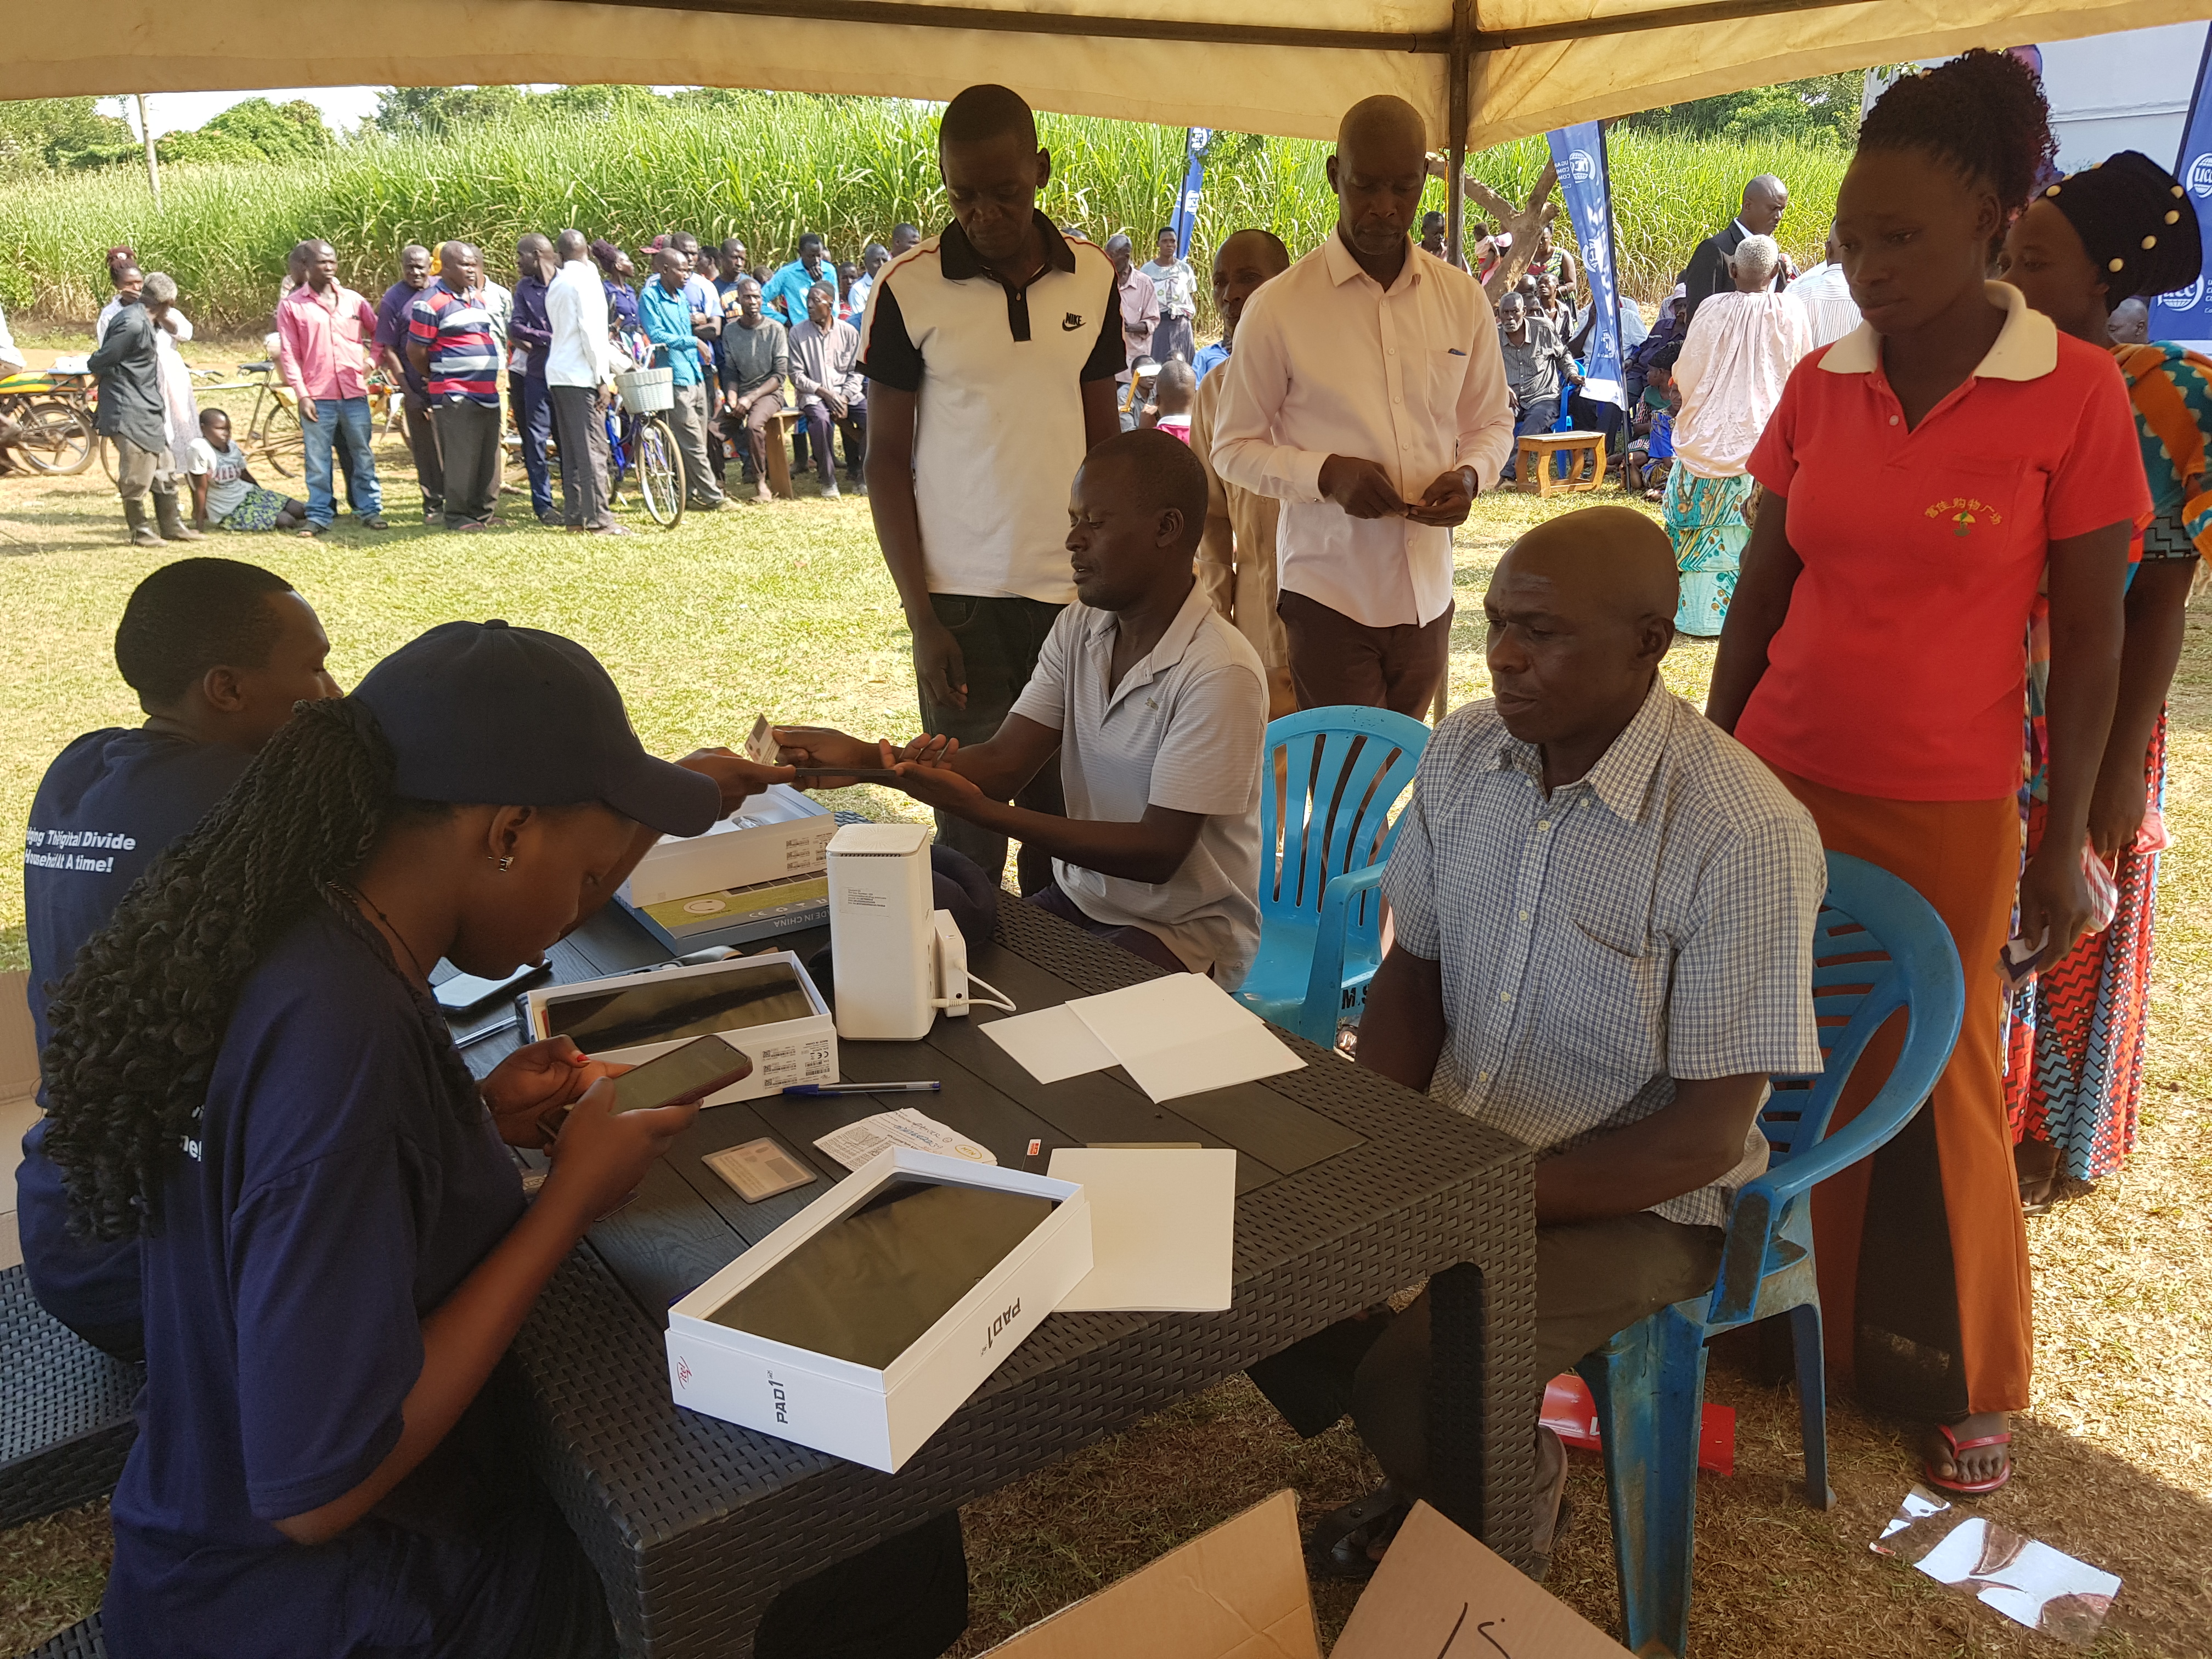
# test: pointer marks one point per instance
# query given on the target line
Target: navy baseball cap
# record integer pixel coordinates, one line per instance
(481, 712)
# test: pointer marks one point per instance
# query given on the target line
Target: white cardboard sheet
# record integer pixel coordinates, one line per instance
(1051, 1043)
(1181, 1034)
(1163, 1228)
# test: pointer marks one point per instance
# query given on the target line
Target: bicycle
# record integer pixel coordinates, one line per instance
(53, 412)
(640, 443)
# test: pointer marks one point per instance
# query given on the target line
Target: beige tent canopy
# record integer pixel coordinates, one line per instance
(1275, 66)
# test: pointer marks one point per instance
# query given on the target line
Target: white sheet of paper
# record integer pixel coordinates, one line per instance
(1051, 1043)
(1181, 1034)
(1163, 1228)
(856, 1143)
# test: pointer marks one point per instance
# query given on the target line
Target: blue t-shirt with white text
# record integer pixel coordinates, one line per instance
(111, 804)
(335, 1194)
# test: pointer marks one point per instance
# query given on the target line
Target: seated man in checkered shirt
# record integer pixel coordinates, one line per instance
(1604, 910)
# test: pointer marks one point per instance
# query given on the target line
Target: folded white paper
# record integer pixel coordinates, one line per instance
(1181, 1034)
(1051, 1043)
(1163, 1229)
(856, 1143)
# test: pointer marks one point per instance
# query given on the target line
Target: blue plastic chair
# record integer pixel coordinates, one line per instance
(1878, 947)
(1326, 822)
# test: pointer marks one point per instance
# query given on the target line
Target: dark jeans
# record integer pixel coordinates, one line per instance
(340, 428)
(1539, 415)
(581, 428)
(1335, 660)
(1137, 941)
(1000, 639)
(468, 440)
(854, 426)
(820, 422)
(533, 419)
(423, 444)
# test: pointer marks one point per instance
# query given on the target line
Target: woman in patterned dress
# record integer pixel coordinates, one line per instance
(2074, 1049)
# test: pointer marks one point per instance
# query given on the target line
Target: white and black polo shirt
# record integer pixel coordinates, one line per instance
(998, 426)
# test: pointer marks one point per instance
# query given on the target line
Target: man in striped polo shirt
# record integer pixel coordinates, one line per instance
(449, 340)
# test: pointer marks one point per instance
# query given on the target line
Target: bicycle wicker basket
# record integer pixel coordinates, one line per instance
(646, 390)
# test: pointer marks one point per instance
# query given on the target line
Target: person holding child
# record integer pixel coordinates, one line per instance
(225, 492)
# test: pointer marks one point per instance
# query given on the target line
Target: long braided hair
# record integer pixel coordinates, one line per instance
(139, 1022)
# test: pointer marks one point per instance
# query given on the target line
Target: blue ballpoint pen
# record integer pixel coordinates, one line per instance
(862, 1088)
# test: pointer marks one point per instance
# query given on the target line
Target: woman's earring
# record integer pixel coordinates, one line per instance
(504, 862)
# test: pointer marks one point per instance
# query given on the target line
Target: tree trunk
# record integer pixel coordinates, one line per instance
(1520, 224)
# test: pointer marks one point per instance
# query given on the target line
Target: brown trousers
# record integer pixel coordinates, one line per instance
(1924, 1290)
(1335, 660)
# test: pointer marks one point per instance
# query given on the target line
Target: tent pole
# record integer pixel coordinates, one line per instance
(1459, 64)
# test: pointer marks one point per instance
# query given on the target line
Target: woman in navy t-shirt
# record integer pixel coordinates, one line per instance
(247, 1067)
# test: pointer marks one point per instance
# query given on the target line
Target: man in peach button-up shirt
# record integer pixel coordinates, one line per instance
(1367, 394)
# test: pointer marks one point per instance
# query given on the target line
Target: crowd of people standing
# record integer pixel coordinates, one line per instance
(1975, 526)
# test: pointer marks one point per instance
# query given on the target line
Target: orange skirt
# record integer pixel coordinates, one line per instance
(1923, 1251)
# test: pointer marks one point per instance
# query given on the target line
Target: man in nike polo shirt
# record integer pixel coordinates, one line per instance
(992, 349)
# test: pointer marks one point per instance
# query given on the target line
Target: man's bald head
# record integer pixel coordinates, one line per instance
(1387, 124)
(1261, 247)
(1610, 560)
(1580, 611)
(1764, 200)
(571, 245)
(1378, 172)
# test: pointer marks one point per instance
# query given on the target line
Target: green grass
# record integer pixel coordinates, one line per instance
(849, 167)
(785, 610)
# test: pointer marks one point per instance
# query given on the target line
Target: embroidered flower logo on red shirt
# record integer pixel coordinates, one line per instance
(1966, 512)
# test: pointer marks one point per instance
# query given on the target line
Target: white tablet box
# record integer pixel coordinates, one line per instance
(878, 1417)
(801, 1050)
(779, 833)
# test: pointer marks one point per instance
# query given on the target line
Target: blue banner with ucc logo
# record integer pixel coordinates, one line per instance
(2186, 315)
(1585, 181)
(1196, 142)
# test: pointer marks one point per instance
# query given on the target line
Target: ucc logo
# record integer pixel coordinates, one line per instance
(1000, 1324)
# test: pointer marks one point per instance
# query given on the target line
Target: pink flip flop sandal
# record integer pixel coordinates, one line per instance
(1967, 1488)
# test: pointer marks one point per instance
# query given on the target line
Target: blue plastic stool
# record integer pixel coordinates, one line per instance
(1341, 771)
(1648, 1383)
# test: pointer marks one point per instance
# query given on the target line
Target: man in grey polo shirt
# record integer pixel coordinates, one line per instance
(1158, 708)
(1604, 909)
(991, 350)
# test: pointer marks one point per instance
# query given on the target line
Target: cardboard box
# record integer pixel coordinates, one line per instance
(798, 1050)
(778, 834)
(1239, 1592)
(878, 1414)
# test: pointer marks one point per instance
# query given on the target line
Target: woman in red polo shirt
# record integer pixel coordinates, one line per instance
(1929, 471)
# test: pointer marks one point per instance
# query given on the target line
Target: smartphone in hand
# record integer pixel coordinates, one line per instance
(691, 1073)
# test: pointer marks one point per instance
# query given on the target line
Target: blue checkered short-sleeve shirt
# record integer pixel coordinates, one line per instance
(1652, 921)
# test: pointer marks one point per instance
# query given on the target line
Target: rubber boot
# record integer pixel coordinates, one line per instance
(173, 527)
(141, 533)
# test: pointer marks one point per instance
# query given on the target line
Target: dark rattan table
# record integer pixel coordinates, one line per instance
(1349, 1188)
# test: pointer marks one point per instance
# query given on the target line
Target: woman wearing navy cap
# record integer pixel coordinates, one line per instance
(247, 1071)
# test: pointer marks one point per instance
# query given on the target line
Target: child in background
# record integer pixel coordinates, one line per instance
(1173, 394)
(224, 492)
(1650, 452)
